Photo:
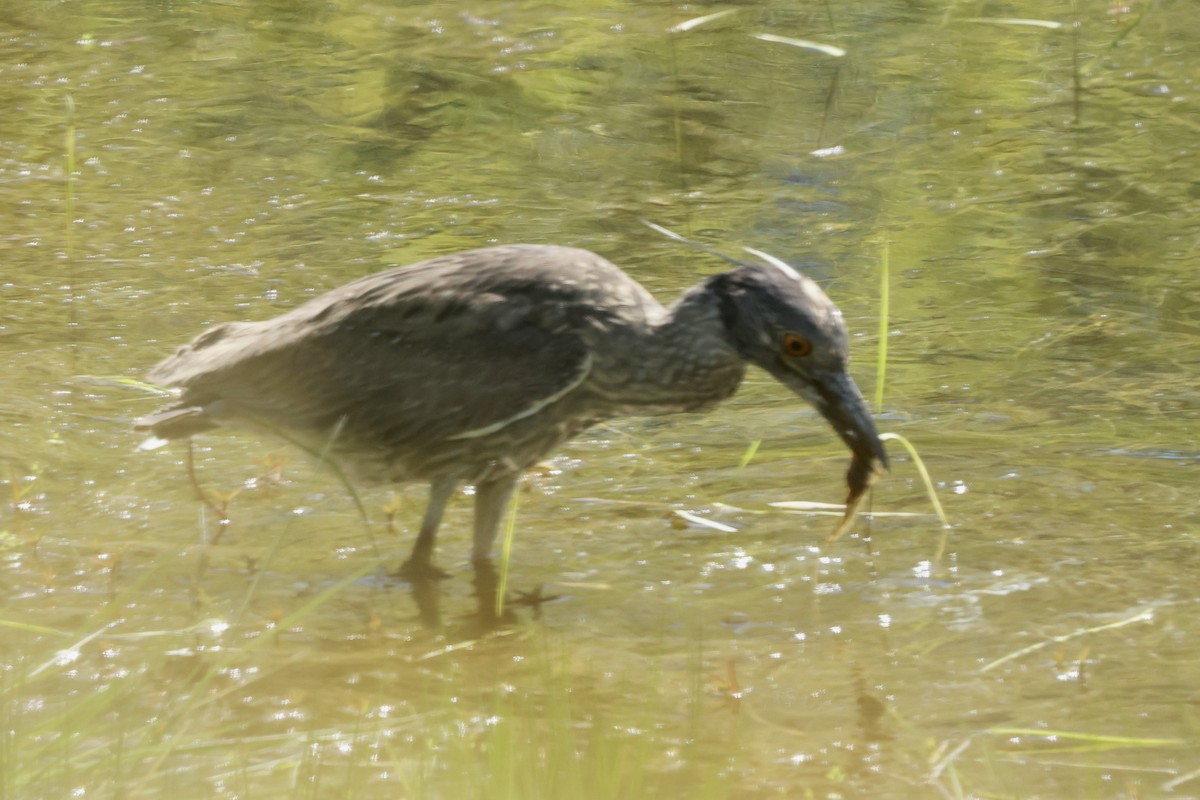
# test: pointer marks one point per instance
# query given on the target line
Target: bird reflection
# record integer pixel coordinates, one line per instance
(488, 616)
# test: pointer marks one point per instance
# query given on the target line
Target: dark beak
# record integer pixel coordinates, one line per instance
(838, 399)
(842, 404)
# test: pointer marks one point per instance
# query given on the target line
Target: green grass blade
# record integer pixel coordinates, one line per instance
(884, 323)
(912, 451)
(748, 456)
(510, 526)
(1087, 738)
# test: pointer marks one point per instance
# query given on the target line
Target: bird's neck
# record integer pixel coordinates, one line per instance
(685, 361)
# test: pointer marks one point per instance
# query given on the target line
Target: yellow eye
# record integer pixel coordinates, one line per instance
(796, 345)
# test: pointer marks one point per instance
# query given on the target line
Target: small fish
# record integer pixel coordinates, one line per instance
(861, 476)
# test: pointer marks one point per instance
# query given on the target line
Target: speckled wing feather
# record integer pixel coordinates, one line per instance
(414, 355)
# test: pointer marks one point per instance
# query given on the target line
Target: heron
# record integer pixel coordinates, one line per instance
(470, 368)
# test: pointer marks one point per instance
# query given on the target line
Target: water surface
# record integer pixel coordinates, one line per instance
(167, 166)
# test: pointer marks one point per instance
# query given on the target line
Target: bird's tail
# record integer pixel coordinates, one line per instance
(175, 422)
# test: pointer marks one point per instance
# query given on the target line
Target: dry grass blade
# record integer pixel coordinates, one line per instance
(816, 508)
(696, 22)
(704, 522)
(1145, 615)
(803, 44)
(1027, 23)
(670, 234)
(774, 261)
(807, 505)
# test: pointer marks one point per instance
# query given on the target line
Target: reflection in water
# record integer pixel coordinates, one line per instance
(488, 616)
(484, 619)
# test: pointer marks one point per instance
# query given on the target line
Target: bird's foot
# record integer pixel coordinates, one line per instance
(533, 599)
(421, 569)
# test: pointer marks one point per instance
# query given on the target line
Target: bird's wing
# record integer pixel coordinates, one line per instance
(450, 348)
(424, 370)
(403, 387)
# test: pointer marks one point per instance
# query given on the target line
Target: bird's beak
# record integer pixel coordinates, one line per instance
(838, 399)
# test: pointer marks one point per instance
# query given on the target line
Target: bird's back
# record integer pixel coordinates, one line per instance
(454, 296)
(464, 349)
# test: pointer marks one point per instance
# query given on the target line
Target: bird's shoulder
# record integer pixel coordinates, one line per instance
(508, 301)
(494, 288)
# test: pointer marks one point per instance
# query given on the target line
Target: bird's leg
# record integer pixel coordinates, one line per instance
(420, 563)
(487, 584)
(491, 499)
(220, 509)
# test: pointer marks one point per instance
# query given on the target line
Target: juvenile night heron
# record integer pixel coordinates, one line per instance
(470, 368)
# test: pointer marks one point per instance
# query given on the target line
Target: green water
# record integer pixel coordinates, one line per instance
(165, 166)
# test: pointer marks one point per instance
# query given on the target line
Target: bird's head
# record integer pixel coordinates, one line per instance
(781, 321)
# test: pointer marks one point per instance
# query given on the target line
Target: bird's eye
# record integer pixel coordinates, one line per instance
(796, 345)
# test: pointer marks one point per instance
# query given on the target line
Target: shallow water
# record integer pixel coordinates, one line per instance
(1034, 190)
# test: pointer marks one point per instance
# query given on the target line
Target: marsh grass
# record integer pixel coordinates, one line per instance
(111, 709)
(885, 313)
(506, 547)
(168, 716)
(546, 738)
(881, 362)
(69, 203)
(1143, 615)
